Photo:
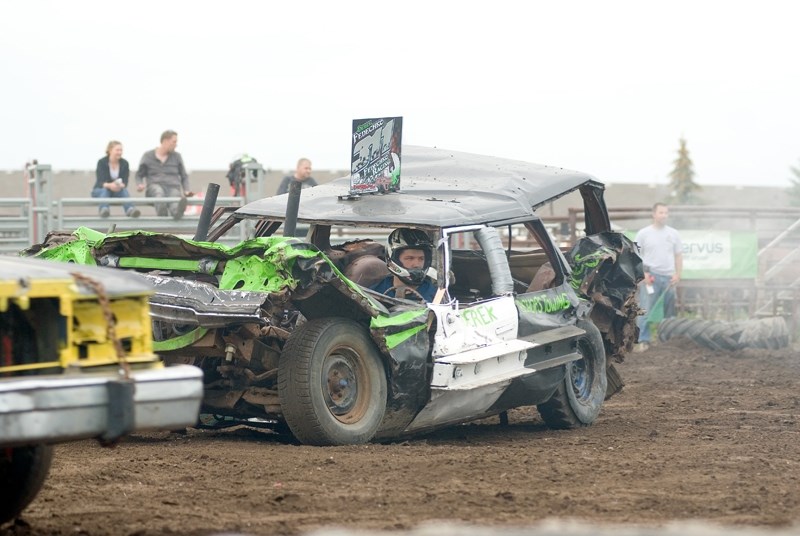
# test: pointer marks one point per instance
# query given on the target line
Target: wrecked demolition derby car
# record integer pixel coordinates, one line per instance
(288, 332)
(76, 362)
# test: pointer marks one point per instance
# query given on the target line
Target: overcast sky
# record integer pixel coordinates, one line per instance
(607, 87)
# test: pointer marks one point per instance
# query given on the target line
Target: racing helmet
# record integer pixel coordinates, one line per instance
(402, 239)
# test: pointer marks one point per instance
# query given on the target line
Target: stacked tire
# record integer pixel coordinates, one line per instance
(766, 333)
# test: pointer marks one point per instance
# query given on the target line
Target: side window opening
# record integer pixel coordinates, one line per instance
(469, 275)
(345, 245)
(361, 255)
(478, 267)
(532, 257)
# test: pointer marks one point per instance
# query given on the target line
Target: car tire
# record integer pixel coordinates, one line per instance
(22, 473)
(579, 397)
(332, 383)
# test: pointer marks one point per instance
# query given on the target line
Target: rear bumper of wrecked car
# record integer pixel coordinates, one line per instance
(50, 409)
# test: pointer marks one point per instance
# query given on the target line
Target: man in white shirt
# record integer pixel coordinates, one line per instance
(662, 253)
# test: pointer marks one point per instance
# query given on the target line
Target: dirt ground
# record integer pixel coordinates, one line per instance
(695, 435)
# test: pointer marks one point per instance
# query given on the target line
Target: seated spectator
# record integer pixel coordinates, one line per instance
(162, 172)
(111, 180)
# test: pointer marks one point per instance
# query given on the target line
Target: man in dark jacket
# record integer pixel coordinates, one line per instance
(302, 174)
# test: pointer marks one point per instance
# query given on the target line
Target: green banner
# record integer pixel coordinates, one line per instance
(718, 254)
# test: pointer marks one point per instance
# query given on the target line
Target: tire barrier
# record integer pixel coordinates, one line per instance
(766, 333)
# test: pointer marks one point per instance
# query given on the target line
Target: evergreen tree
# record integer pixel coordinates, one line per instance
(681, 177)
(794, 190)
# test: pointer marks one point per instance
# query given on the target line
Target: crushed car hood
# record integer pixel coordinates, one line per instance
(224, 284)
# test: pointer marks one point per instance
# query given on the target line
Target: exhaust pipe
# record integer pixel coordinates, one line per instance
(292, 207)
(209, 203)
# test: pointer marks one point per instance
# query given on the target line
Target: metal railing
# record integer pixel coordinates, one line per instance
(39, 179)
(27, 221)
(16, 224)
(184, 227)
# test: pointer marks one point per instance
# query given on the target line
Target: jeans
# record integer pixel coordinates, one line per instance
(646, 301)
(166, 190)
(106, 193)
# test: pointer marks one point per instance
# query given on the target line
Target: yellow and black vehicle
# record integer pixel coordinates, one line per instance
(77, 361)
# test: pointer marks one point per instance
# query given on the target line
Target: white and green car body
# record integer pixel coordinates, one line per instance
(287, 331)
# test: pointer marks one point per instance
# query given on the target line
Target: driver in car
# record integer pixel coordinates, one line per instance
(408, 258)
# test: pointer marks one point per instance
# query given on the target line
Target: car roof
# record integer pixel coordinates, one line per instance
(439, 188)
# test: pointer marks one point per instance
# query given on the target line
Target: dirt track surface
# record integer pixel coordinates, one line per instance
(695, 435)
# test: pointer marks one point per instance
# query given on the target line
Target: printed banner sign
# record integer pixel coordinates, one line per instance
(717, 254)
(376, 155)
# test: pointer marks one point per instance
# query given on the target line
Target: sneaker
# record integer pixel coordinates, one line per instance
(105, 212)
(181, 209)
(641, 347)
(134, 213)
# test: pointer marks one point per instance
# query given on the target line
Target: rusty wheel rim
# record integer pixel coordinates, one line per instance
(345, 385)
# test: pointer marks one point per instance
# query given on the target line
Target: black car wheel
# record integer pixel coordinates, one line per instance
(332, 383)
(579, 397)
(22, 474)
